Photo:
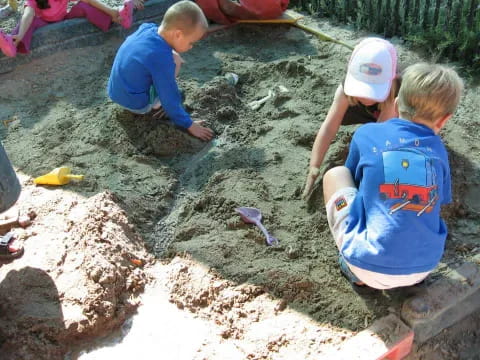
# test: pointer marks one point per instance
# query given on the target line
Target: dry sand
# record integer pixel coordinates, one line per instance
(180, 193)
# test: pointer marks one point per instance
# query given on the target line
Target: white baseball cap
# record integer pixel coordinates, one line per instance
(372, 67)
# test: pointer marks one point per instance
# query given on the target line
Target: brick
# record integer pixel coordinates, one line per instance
(76, 33)
(443, 303)
(387, 338)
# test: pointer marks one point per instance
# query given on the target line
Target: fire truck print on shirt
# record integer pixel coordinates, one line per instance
(409, 180)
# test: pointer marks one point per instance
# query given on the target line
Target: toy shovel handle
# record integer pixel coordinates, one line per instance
(269, 238)
(74, 177)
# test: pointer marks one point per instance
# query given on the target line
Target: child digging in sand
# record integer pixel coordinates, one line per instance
(367, 94)
(143, 72)
(383, 206)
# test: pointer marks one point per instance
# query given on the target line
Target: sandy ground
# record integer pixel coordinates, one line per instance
(180, 193)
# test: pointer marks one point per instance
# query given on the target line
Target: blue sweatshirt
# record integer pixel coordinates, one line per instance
(145, 59)
(402, 174)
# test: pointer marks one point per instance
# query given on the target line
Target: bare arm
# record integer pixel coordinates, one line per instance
(329, 127)
(325, 135)
(105, 8)
(25, 22)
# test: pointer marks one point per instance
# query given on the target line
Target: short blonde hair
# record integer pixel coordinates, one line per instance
(184, 15)
(428, 92)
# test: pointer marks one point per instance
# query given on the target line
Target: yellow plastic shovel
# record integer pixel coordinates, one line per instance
(58, 176)
(291, 17)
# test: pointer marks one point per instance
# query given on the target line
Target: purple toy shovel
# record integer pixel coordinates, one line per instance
(254, 216)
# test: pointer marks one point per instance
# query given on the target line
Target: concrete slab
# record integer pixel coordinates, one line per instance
(75, 33)
(443, 303)
(387, 338)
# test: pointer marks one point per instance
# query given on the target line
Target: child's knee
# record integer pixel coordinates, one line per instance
(337, 173)
(335, 179)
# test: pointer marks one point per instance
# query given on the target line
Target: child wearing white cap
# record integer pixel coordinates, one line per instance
(366, 95)
(384, 206)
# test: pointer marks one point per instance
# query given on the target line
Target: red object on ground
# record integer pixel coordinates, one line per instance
(126, 13)
(263, 10)
(212, 11)
(400, 349)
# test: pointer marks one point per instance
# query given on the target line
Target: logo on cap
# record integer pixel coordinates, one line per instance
(370, 69)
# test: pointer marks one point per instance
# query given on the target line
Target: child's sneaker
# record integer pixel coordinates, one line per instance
(349, 275)
(126, 14)
(6, 45)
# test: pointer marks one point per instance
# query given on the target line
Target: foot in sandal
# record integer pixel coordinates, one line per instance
(8, 249)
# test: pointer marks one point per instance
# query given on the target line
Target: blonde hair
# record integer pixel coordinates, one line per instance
(428, 92)
(353, 101)
(184, 15)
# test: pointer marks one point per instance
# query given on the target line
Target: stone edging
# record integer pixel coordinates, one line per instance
(439, 306)
(76, 33)
(445, 302)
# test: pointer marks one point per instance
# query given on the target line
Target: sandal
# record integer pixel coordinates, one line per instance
(6, 45)
(5, 251)
(126, 14)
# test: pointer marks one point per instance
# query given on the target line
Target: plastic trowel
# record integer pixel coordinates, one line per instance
(254, 216)
(58, 176)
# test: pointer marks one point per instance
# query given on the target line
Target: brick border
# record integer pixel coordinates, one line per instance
(445, 302)
(440, 305)
(76, 33)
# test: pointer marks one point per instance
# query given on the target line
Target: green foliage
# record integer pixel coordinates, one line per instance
(444, 28)
(434, 41)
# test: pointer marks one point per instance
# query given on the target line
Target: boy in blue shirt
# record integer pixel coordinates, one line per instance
(144, 69)
(383, 206)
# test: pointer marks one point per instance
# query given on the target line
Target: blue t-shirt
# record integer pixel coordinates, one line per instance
(402, 174)
(143, 60)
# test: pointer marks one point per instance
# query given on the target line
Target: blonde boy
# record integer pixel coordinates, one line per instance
(383, 206)
(144, 70)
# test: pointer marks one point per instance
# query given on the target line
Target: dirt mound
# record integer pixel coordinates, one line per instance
(260, 325)
(78, 278)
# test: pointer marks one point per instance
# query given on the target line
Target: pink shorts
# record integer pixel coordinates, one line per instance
(338, 208)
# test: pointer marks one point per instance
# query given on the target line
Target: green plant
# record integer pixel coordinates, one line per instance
(444, 28)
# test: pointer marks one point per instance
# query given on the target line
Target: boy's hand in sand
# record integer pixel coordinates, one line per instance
(312, 176)
(199, 131)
